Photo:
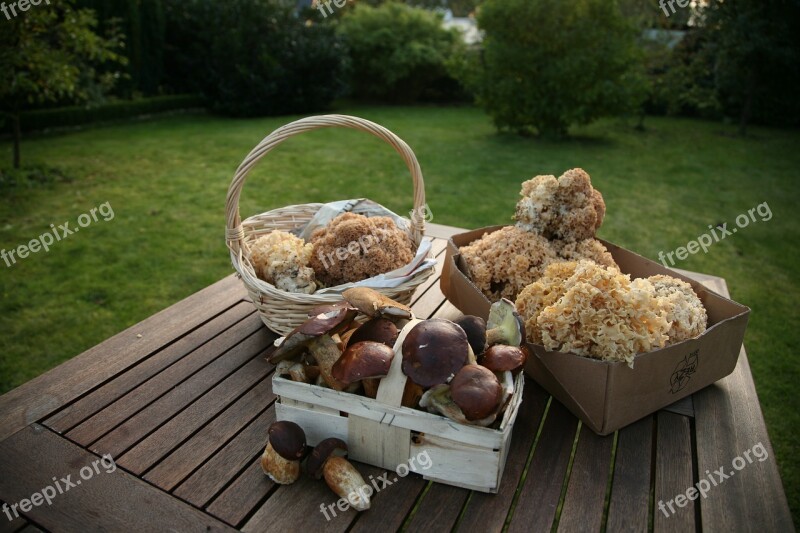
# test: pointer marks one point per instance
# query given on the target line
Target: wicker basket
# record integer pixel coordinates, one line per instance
(283, 311)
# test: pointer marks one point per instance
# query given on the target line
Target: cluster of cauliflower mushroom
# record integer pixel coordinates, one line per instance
(350, 248)
(567, 286)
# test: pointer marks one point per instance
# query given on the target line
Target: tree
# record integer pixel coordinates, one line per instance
(550, 64)
(50, 54)
(756, 49)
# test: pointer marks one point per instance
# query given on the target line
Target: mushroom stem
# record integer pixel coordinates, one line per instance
(281, 471)
(343, 479)
(326, 352)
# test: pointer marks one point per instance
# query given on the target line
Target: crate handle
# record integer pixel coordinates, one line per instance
(234, 231)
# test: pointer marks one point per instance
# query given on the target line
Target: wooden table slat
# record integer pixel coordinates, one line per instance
(242, 362)
(536, 507)
(115, 501)
(130, 403)
(47, 393)
(77, 412)
(674, 474)
(491, 510)
(585, 498)
(630, 488)
(243, 495)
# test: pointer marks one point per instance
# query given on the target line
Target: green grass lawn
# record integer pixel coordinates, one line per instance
(166, 180)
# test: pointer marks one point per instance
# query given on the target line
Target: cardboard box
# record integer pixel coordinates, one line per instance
(609, 395)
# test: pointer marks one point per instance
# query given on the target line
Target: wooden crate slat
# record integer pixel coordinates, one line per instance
(182, 460)
(43, 395)
(140, 397)
(115, 501)
(245, 362)
(227, 463)
(674, 473)
(98, 399)
(536, 506)
(585, 498)
(630, 489)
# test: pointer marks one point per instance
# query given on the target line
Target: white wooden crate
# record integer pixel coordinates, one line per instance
(382, 433)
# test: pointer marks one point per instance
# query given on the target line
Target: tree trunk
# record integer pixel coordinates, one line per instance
(17, 139)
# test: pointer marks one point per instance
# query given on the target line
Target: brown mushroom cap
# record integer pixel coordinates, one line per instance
(287, 439)
(477, 391)
(475, 328)
(362, 360)
(433, 351)
(323, 450)
(502, 358)
(378, 329)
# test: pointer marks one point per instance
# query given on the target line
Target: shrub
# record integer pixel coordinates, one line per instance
(399, 53)
(550, 64)
(253, 57)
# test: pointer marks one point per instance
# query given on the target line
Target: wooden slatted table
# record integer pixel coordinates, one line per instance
(182, 402)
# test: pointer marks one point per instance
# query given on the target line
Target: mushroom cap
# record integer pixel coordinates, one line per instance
(378, 329)
(365, 359)
(477, 391)
(321, 452)
(502, 358)
(475, 328)
(288, 439)
(504, 325)
(433, 351)
(329, 322)
(374, 304)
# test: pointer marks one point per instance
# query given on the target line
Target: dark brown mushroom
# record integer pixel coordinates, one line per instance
(321, 452)
(286, 445)
(475, 328)
(378, 329)
(433, 351)
(477, 391)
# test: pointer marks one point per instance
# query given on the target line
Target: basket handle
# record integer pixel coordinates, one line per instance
(235, 233)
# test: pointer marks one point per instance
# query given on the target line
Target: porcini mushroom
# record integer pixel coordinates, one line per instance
(378, 329)
(320, 454)
(363, 360)
(343, 479)
(374, 304)
(504, 325)
(477, 391)
(433, 351)
(315, 334)
(286, 445)
(502, 358)
(475, 328)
